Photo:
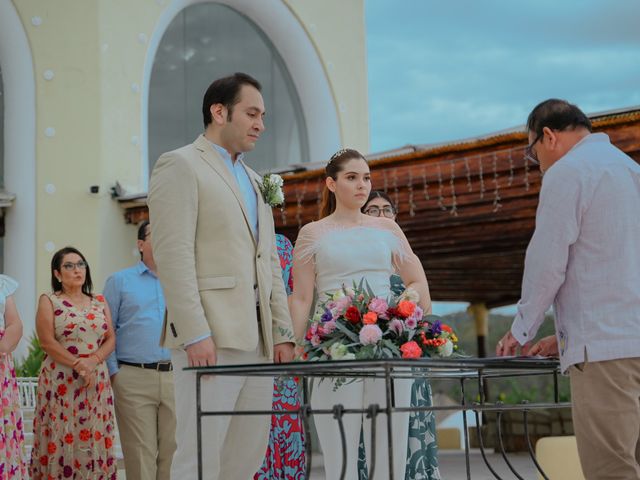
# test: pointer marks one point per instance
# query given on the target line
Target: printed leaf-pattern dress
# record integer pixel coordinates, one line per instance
(422, 447)
(12, 464)
(285, 459)
(73, 426)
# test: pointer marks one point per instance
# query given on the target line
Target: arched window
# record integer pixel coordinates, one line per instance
(207, 41)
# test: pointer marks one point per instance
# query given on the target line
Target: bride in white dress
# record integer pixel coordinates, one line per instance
(346, 246)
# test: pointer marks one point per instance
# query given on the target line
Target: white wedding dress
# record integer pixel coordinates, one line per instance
(341, 256)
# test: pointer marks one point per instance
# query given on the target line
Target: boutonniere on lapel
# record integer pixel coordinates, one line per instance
(271, 189)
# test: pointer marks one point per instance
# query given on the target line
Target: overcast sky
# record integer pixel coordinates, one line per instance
(446, 70)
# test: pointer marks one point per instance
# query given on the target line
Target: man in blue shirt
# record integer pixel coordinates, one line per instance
(141, 371)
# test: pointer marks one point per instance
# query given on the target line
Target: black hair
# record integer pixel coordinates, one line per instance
(226, 91)
(556, 114)
(379, 194)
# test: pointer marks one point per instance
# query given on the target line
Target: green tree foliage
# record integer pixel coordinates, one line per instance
(30, 366)
(508, 390)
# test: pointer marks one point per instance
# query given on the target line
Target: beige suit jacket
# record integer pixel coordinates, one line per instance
(208, 260)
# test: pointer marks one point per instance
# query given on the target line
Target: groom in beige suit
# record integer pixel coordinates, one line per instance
(214, 246)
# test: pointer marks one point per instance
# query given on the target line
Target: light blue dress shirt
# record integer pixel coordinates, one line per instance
(246, 187)
(137, 308)
(248, 196)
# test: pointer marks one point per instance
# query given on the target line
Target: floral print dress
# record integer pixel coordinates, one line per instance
(73, 426)
(12, 465)
(422, 447)
(285, 459)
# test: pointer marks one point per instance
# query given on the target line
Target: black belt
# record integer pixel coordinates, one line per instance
(158, 366)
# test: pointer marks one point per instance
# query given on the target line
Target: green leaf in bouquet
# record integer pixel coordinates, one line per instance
(370, 291)
(344, 329)
(392, 347)
(366, 353)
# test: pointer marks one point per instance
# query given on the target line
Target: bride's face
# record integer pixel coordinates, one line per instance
(353, 185)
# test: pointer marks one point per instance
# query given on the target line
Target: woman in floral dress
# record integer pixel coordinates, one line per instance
(73, 426)
(12, 465)
(285, 459)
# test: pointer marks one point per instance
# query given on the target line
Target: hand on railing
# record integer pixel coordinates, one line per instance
(545, 347)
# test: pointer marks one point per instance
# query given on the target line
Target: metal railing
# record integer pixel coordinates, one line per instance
(463, 371)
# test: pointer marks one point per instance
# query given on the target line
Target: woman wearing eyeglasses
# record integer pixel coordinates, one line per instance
(73, 425)
(422, 448)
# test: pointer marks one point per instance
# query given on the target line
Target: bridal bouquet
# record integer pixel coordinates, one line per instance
(355, 324)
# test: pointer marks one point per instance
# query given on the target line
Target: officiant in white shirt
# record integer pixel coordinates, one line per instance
(584, 259)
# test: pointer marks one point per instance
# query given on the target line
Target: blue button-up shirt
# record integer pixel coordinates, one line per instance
(137, 308)
(246, 187)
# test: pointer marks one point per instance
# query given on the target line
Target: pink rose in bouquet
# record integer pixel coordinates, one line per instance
(379, 306)
(370, 334)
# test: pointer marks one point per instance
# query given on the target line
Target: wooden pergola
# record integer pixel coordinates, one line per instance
(467, 208)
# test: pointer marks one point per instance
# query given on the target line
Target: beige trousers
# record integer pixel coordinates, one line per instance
(606, 418)
(145, 411)
(233, 448)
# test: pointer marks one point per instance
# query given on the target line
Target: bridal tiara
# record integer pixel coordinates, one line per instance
(338, 154)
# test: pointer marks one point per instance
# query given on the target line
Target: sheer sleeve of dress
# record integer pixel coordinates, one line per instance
(307, 243)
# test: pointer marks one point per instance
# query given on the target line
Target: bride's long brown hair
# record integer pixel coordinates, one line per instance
(335, 166)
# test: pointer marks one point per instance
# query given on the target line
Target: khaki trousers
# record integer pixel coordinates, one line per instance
(606, 418)
(233, 448)
(145, 411)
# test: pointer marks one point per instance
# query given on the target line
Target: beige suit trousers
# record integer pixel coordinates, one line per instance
(606, 418)
(145, 411)
(233, 448)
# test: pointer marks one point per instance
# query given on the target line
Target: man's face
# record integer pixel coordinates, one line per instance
(241, 132)
(544, 148)
(144, 246)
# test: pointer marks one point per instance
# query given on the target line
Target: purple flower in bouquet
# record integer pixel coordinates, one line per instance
(411, 323)
(379, 306)
(370, 334)
(396, 326)
(326, 316)
(436, 328)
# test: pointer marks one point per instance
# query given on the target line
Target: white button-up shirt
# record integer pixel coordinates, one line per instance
(584, 256)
